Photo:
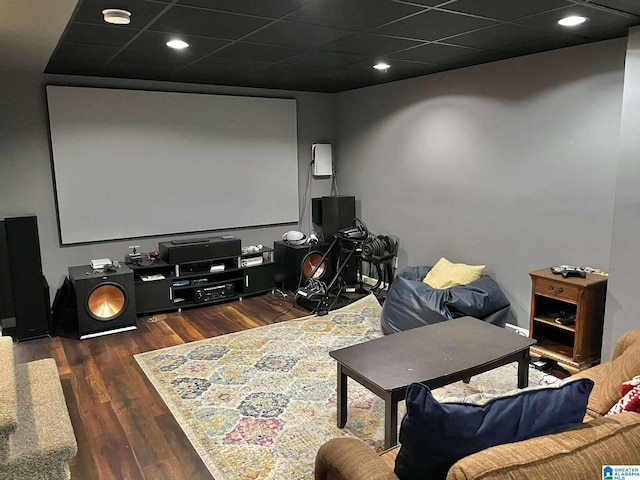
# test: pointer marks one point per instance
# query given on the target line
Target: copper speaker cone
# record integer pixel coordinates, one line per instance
(106, 302)
(309, 263)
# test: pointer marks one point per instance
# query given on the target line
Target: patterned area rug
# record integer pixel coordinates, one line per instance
(258, 404)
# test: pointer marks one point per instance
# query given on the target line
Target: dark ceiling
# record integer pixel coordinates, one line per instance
(321, 45)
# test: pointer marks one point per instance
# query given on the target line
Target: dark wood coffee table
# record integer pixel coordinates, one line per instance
(434, 355)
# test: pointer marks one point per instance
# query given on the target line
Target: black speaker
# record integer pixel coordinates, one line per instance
(63, 311)
(289, 268)
(316, 211)
(195, 250)
(6, 292)
(105, 301)
(27, 298)
(332, 214)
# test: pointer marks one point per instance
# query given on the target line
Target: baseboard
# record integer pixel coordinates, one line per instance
(519, 330)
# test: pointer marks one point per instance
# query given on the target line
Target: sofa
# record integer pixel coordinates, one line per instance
(411, 303)
(579, 452)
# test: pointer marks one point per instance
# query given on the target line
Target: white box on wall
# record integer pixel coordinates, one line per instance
(322, 160)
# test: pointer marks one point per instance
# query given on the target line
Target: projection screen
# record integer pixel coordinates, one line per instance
(132, 163)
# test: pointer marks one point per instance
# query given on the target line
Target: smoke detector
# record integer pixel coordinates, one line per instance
(116, 16)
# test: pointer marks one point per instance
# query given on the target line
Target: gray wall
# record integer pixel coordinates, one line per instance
(623, 302)
(26, 186)
(510, 164)
(467, 164)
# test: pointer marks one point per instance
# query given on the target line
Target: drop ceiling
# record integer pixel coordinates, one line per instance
(321, 45)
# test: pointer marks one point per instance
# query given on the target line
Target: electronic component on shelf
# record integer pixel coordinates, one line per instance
(569, 271)
(100, 263)
(216, 292)
(251, 261)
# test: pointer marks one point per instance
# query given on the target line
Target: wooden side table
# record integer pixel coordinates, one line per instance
(577, 346)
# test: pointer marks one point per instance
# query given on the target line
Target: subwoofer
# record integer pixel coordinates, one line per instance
(313, 266)
(105, 301)
(289, 259)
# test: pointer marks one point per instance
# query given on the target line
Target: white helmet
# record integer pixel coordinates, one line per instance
(294, 237)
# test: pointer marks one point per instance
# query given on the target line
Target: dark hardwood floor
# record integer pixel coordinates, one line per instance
(123, 428)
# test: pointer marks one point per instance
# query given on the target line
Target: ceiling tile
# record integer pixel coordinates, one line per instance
(352, 14)
(505, 9)
(299, 35)
(263, 8)
(220, 64)
(290, 71)
(629, 6)
(257, 51)
(99, 34)
(136, 70)
(170, 58)
(433, 25)
(432, 3)
(155, 43)
(605, 33)
(368, 44)
(543, 44)
(210, 76)
(482, 56)
(324, 59)
(206, 23)
(262, 80)
(493, 38)
(434, 53)
(94, 54)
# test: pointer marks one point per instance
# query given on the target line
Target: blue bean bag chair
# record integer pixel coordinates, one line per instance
(410, 303)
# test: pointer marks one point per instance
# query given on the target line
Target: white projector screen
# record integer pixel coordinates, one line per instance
(132, 163)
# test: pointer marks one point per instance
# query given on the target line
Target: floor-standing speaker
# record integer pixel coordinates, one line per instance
(289, 264)
(332, 214)
(27, 298)
(105, 301)
(6, 292)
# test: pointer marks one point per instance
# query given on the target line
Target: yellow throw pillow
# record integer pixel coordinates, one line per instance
(445, 274)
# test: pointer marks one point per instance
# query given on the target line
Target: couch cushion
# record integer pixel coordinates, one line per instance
(578, 452)
(445, 274)
(608, 377)
(434, 435)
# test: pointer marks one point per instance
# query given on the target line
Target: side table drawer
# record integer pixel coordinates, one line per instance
(550, 288)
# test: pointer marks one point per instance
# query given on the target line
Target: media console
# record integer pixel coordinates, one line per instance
(202, 272)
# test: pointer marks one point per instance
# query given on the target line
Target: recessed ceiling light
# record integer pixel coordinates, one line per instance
(177, 44)
(572, 21)
(383, 67)
(116, 16)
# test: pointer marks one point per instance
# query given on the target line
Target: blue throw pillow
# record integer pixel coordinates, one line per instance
(434, 435)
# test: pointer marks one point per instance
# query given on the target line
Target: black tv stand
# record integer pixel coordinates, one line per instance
(166, 286)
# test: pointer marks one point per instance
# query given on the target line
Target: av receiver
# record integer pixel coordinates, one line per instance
(216, 292)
